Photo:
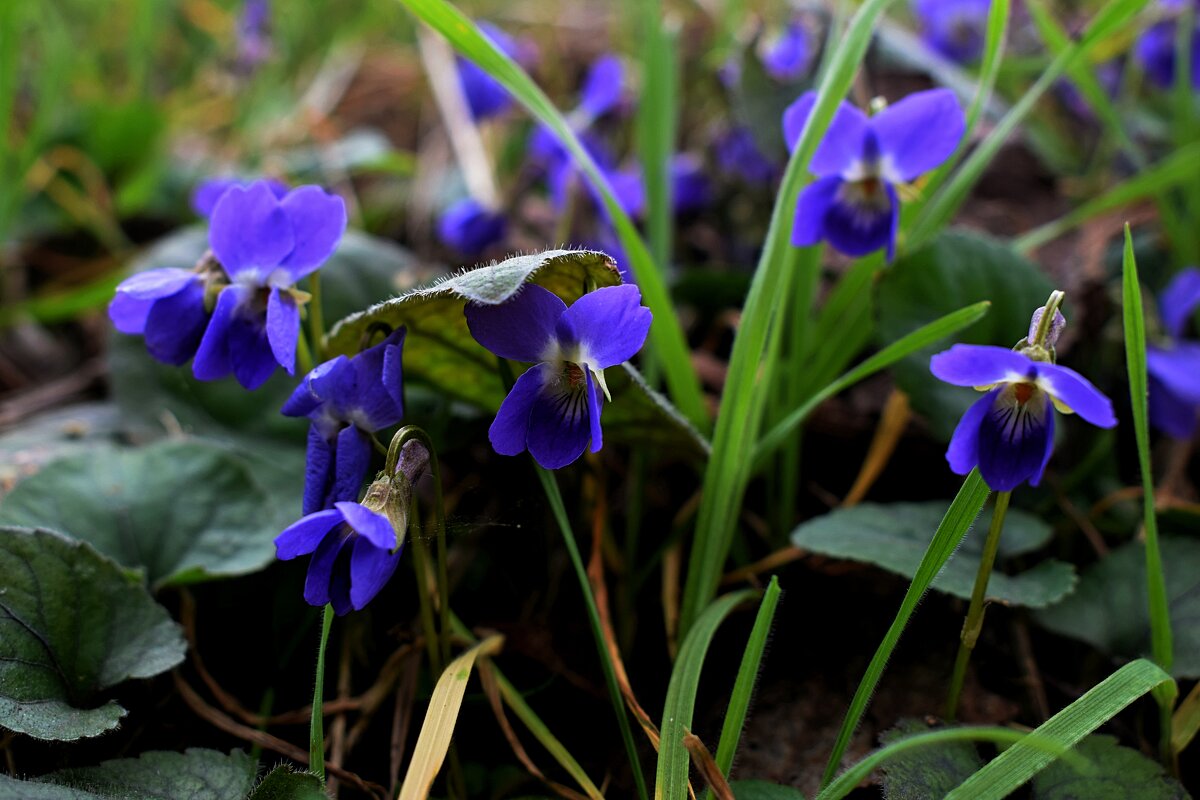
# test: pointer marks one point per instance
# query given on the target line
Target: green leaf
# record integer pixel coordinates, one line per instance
(195, 774)
(763, 790)
(181, 512)
(894, 536)
(1003, 774)
(53, 434)
(282, 783)
(1116, 773)
(73, 624)
(439, 349)
(1109, 611)
(927, 772)
(956, 269)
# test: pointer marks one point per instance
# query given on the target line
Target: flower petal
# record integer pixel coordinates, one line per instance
(470, 228)
(521, 328)
(318, 471)
(317, 220)
(963, 452)
(370, 569)
(175, 325)
(918, 133)
(602, 88)
(1014, 440)
(559, 425)
(339, 579)
(283, 328)
(510, 430)
(843, 142)
(857, 228)
(610, 325)
(320, 568)
(352, 461)
(1077, 392)
(250, 352)
(594, 407)
(393, 374)
(980, 365)
(303, 537)
(210, 190)
(212, 357)
(1177, 369)
(154, 284)
(787, 57)
(1170, 413)
(314, 389)
(378, 381)
(250, 231)
(811, 208)
(1178, 301)
(366, 523)
(128, 313)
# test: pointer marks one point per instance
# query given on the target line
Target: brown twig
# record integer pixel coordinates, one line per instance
(767, 564)
(892, 423)
(224, 722)
(1090, 531)
(1033, 676)
(337, 730)
(406, 691)
(707, 767)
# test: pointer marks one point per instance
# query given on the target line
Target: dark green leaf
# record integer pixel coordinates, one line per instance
(929, 771)
(894, 536)
(179, 511)
(763, 790)
(1109, 610)
(73, 624)
(1116, 773)
(41, 439)
(284, 784)
(195, 774)
(958, 268)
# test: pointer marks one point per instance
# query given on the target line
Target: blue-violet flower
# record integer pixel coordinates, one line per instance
(1173, 365)
(853, 203)
(554, 408)
(955, 29)
(210, 190)
(469, 227)
(786, 57)
(1155, 48)
(485, 96)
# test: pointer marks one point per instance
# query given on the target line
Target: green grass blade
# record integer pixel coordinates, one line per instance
(666, 333)
(671, 781)
(954, 526)
(1009, 770)
(943, 205)
(848, 781)
(1179, 167)
(740, 412)
(922, 337)
(550, 486)
(1156, 587)
(743, 686)
(316, 728)
(657, 121)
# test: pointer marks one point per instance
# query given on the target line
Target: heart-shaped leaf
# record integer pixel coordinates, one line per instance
(1115, 773)
(1109, 611)
(72, 624)
(958, 268)
(894, 536)
(179, 511)
(284, 784)
(195, 774)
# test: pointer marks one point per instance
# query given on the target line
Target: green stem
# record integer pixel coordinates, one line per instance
(316, 737)
(550, 486)
(316, 318)
(421, 562)
(974, 622)
(304, 359)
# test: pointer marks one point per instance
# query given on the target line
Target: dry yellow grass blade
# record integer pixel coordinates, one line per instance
(438, 728)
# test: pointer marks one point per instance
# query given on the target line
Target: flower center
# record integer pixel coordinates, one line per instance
(1023, 392)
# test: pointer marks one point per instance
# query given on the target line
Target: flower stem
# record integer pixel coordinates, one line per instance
(316, 737)
(316, 318)
(974, 622)
(421, 557)
(304, 359)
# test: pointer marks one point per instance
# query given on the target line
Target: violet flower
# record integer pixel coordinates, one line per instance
(265, 246)
(786, 57)
(738, 154)
(1009, 432)
(956, 29)
(1155, 48)
(485, 96)
(1173, 365)
(253, 35)
(554, 408)
(347, 400)
(470, 228)
(690, 187)
(165, 306)
(853, 203)
(210, 190)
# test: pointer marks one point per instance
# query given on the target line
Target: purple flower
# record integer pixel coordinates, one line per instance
(485, 96)
(469, 228)
(738, 154)
(1009, 432)
(603, 88)
(253, 35)
(786, 57)
(554, 408)
(955, 29)
(853, 203)
(354, 551)
(167, 307)
(265, 245)
(1155, 48)
(347, 400)
(210, 190)
(690, 187)
(1174, 364)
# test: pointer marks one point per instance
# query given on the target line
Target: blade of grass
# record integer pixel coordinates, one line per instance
(438, 729)
(1177, 168)
(1012, 768)
(1161, 645)
(954, 526)
(921, 337)
(943, 205)
(740, 412)
(657, 121)
(666, 332)
(316, 728)
(743, 685)
(671, 779)
(1186, 722)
